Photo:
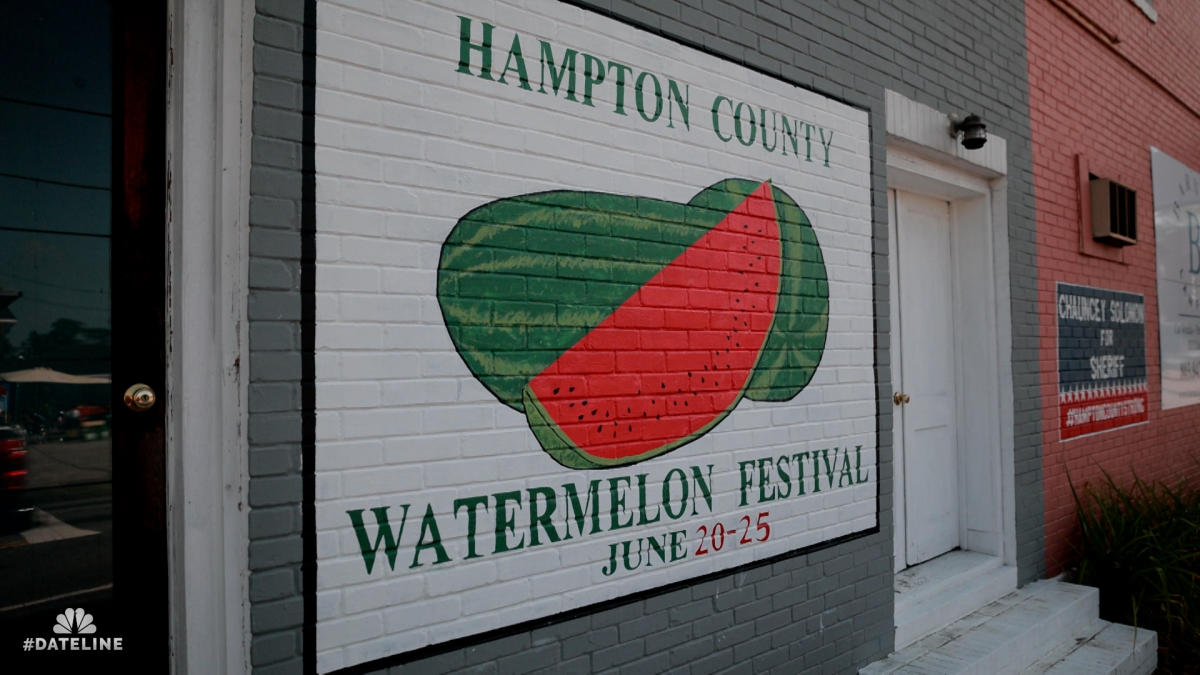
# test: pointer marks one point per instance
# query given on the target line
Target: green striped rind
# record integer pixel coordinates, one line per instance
(797, 340)
(522, 279)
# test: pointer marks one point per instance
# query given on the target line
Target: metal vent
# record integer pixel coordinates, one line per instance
(1114, 212)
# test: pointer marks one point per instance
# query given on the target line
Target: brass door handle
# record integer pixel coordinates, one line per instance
(140, 398)
(900, 399)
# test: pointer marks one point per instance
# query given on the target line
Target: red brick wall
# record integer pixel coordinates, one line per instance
(1110, 103)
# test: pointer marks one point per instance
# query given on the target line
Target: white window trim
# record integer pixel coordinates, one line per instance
(1147, 7)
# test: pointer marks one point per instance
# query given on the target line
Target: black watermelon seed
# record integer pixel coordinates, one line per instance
(581, 417)
(662, 385)
(594, 412)
(585, 402)
(702, 379)
(675, 402)
(737, 299)
(614, 434)
(600, 428)
(556, 390)
(629, 410)
(658, 417)
(689, 373)
(606, 413)
(571, 389)
(631, 427)
(685, 402)
(571, 406)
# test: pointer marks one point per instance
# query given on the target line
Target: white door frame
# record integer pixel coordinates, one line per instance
(208, 163)
(922, 158)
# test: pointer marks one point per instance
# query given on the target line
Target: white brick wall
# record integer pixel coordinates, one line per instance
(406, 146)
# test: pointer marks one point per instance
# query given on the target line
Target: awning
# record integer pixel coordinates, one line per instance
(51, 376)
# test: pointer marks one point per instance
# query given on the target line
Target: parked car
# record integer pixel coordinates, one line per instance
(14, 511)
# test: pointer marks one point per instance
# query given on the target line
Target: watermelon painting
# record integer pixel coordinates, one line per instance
(624, 327)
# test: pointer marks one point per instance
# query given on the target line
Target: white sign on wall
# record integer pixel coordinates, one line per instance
(594, 316)
(1177, 247)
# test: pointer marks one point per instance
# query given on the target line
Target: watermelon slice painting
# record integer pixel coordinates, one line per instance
(625, 327)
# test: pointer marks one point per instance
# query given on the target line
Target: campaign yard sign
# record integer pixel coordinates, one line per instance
(594, 315)
(1101, 359)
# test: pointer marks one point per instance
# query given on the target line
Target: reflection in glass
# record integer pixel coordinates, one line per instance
(55, 217)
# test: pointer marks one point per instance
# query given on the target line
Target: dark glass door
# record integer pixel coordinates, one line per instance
(82, 227)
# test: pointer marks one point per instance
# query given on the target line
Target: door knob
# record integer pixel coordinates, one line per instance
(900, 399)
(139, 398)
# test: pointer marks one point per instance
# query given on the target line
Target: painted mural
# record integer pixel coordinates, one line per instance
(595, 315)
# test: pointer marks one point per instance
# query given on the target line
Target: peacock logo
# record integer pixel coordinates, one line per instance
(74, 622)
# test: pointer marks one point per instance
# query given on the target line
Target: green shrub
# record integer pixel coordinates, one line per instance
(1140, 545)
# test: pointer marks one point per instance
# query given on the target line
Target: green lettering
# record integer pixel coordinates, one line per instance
(799, 458)
(658, 548)
(429, 527)
(472, 504)
(465, 47)
(622, 71)
(845, 477)
(764, 477)
(789, 133)
(557, 77)
(639, 93)
(785, 478)
(537, 517)
(680, 99)
(762, 115)
(737, 125)
(702, 487)
(593, 74)
(678, 551)
(858, 466)
(666, 490)
(642, 519)
(617, 503)
(826, 143)
(382, 535)
(577, 512)
(515, 55)
(716, 117)
(506, 522)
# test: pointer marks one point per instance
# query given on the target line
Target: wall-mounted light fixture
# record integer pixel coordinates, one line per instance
(972, 128)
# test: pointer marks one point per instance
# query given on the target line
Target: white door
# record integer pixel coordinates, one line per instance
(926, 438)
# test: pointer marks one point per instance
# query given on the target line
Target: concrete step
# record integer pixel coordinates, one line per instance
(1115, 649)
(934, 594)
(1005, 636)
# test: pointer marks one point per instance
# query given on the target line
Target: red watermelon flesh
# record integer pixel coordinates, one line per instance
(674, 358)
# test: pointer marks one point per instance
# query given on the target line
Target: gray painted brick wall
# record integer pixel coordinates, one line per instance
(826, 612)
